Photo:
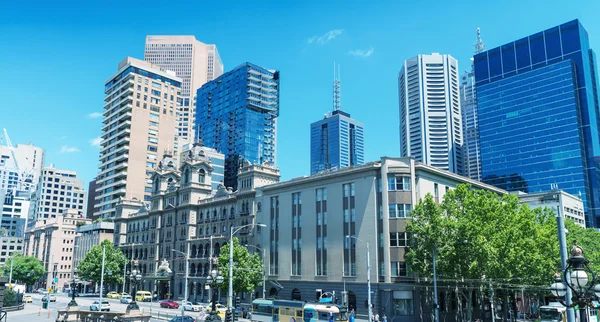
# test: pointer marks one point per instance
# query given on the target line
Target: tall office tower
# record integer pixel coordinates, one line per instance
(139, 124)
(336, 141)
(20, 167)
(236, 114)
(430, 118)
(538, 115)
(59, 190)
(468, 104)
(194, 62)
(91, 200)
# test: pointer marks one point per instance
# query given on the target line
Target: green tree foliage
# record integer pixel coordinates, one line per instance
(26, 269)
(588, 239)
(90, 268)
(247, 268)
(10, 298)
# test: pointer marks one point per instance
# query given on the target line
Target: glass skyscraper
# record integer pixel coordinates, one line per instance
(538, 114)
(236, 114)
(336, 141)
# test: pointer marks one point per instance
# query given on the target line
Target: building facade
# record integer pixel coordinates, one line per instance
(336, 141)
(10, 246)
(569, 206)
(91, 200)
(140, 107)
(90, 235)
(20, 167)
(236, 114)
(59, 190)
(188, 216)
(15, 212)
(538, 115)
(216, 159)
(52, 241)
(430, 114)
(194, 62)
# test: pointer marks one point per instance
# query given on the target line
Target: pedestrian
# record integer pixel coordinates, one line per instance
(384, 318)
(376, 317)
(372, 317)
(352, 317)
(330, 317)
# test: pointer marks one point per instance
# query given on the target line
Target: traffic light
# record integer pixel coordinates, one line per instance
(228, 316)
(236, 302)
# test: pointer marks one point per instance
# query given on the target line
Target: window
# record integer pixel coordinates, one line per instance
(398, 183)
(156, 85)
(399, 269)
(155, 117)
(152, 148)
(349, 227)
(274, 237)
(321, 210)
(400, 210)
(398, 239)
(402, 303)
(297, 233)
(151, 165)
(155, 124)
(153, 140)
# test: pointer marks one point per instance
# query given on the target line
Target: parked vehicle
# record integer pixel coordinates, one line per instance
(27, 299)
(113, 295)
(143, 296)
(169, 304)
(126, 299)
(185, 318)
(189, 306)
(49, 298)
(100, 306)
(125, 293)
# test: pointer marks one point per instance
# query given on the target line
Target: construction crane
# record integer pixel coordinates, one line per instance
(23, 175)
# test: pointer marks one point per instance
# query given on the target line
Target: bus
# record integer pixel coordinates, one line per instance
(287, 311)
(262, 310)
(314, 312)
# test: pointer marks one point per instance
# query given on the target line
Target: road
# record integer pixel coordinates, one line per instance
(31, 311)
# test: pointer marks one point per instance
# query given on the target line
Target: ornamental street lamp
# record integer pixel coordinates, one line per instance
(135, 277)
(214, 279)
(73, 285)
(584, 288)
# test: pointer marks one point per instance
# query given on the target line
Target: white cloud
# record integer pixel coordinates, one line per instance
(94, 115)
(364, 53)
(327, 37)
(68, 149)
(63, 137)
(96, 141)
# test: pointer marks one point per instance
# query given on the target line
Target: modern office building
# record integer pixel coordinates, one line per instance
(91, 200)
(430, 115)
(538, 115)
(10, 246)
(337, 140)
(236, 114)
(216, 159)
(20, 167)
(140, 116)
(15, 212)
(90, 235)
(52, 241)
(570, 206)
(194, 62)
(59, 190)
(468, 104)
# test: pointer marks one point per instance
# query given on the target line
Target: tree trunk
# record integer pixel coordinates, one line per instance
(505, 305)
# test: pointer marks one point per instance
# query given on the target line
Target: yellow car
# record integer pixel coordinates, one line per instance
(221, 309)
(27, 299)
(113, 295)
(124, 294)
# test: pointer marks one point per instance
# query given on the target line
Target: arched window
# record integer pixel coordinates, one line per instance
(200, 250)
(202, 175)
(186, 176)
(216, 250)
(156, 185)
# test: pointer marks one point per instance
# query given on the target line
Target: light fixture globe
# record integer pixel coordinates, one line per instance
(558, 288)
(597, 290)
(220, 279)
(579, 279)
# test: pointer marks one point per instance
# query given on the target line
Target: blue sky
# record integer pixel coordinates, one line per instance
(56, 55)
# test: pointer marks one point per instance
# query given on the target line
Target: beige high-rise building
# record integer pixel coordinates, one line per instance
(140, 113)
(194, 62)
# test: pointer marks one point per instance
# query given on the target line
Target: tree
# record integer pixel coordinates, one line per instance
(247, 268)
(588, 239)
(90, 268)
(26, 269)
(10, 298)
(478, 233)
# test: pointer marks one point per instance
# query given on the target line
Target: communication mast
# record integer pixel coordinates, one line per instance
(337, 91)
(479, 45)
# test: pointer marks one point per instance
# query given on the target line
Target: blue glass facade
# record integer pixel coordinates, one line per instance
(236, 114)
(336, 141)
(538, 115)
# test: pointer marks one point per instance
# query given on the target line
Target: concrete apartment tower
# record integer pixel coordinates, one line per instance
(140, 114)
(194, 62)
(430, 116)
(59, 190)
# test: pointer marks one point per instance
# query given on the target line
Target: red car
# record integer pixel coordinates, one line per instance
(169, 304)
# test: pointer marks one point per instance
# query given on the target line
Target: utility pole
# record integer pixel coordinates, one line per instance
(12, 261)
(492, 301)
(435, 293)
(102, 273)
(562, 242)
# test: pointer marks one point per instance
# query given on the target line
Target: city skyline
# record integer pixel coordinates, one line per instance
(308, 54)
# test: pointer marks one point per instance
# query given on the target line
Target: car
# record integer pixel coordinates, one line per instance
(41, 290)
(189, 306)
(100, 306)
(169, 304)
(27, 299)
(126, 299)
(49, 297)
(113, 295)
(185, 318)
(124, 293)
(220, 307)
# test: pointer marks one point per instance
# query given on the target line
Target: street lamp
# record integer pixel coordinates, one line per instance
(368, 273)
(73, 285)
(135, 277)
(263, 262)
(187, 267)
(579, 282)
(232, 231)
(214, 279)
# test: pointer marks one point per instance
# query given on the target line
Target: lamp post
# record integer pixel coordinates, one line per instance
(264, 273)
(213, 279)
(187, 267)
(233, 231)
(73, 285)
(368, 274)
(579, 282)
(135, 277)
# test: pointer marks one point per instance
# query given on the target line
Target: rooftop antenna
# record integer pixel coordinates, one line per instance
(337, 104)
(479, 45)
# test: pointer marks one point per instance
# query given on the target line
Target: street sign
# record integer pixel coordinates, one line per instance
(49, 290)
(56, 280)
